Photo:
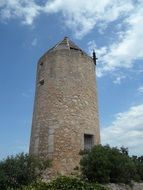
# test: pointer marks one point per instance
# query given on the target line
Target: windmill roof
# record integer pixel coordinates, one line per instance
(66, 43)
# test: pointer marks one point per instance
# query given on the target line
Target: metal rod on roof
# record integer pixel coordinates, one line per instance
(94, 57)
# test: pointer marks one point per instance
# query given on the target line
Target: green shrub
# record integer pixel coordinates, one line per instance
(140, 167)
(19, 170)
(104, 164)
(138, 161)
(65, 183)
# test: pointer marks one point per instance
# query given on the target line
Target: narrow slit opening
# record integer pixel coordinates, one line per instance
(41, 82)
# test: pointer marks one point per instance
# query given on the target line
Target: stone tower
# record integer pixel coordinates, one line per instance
(65, 117)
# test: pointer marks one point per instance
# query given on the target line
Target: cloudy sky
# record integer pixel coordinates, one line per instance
(114, 28)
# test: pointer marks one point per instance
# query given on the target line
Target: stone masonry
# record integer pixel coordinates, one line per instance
(65, 107)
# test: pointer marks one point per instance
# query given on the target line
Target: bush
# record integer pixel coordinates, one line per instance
(139, 167)
(65, 183)
(20, 170)
(104, 164)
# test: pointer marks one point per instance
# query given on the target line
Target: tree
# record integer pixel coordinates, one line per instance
(138, 161)
(104, 164)
(21, 169)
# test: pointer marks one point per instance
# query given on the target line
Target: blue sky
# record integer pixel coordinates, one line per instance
(113, 28)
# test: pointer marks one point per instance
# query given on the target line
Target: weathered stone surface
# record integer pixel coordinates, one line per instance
(65, 107)
(133, 186)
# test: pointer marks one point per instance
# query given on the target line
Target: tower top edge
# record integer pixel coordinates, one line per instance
(65, 44)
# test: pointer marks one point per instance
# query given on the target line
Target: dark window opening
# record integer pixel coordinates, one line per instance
(41, 82)
(41, 63)
(88, 141)
(74, 48)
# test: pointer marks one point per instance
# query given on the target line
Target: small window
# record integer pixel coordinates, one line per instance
(41, 82)
(41, 63)
(88, 141)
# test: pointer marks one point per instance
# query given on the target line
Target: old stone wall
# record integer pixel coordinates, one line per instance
(65, 108)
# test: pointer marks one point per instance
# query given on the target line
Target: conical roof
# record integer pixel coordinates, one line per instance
(66, 43)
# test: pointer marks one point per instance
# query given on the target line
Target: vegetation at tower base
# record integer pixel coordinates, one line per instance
(23, 172)
(64, 183)
(138, 161)
(19, 170)
(104, 164)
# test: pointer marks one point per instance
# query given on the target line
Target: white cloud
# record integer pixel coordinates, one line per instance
(23, 9)
(140, 90)
(126, 130)
(82, 16)
(119, 79)
(124, 51)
